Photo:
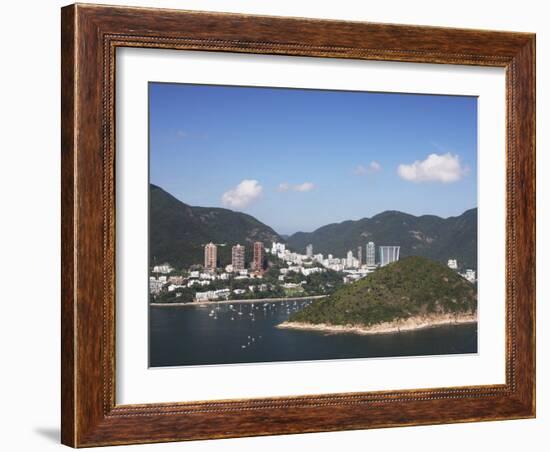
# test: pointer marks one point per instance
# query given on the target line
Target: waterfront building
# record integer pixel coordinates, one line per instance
(258, 262)
(210, 256)
(388, 254)
(451, 263)
(309, 250)
(359, 256)
(212, 295)
(470, 275)
(370, 256)
(237, 257)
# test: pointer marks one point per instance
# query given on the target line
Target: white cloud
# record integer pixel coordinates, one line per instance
(181, 133)
(444, 168)
(283, 186)
(306, 186)
(373, 167)
(243, 194)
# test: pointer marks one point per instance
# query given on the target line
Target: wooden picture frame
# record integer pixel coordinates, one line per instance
(90, 36)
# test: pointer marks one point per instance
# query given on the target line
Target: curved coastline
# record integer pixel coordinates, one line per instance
(244, 300)
(396, 326)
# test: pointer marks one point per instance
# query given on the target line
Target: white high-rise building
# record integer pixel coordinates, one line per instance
(388, 254)
(309, 250)
(370, 257)
(349, 259)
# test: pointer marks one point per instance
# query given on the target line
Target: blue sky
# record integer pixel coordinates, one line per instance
(300, 159)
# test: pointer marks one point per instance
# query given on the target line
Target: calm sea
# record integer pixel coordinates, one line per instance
(246, 333)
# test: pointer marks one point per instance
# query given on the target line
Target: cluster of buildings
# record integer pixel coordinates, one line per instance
(201, 280)
(352, 266)
(388, 254)
(238, 262)
(469, 274)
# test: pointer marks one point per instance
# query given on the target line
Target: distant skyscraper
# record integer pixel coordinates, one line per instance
(360, 255)
(309, 250)
(388, 254)
(370, 257)
(237, 257)
(210, 256)
(258, 256)
(349, 259)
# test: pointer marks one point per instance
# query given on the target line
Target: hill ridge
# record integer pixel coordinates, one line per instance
(413, 286)
(178, 231)
(430, 236)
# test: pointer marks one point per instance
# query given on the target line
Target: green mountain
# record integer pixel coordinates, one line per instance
(178, 231)
(411, 286)
(430, 236)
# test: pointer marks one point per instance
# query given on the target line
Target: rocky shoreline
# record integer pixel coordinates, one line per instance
(396, 326)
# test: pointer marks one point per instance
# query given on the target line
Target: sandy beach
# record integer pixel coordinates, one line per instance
(249, 300)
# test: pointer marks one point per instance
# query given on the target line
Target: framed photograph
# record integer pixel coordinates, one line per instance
(281, 225)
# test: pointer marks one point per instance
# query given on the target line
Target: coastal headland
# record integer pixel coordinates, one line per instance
(395, 326)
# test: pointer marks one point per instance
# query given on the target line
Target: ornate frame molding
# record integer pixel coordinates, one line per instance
(90, 37)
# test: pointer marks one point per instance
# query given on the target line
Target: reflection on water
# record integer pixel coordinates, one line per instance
(246, 333)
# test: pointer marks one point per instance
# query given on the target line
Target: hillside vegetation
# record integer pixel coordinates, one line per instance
(178, 231)
(429, 236)
(410, 287)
